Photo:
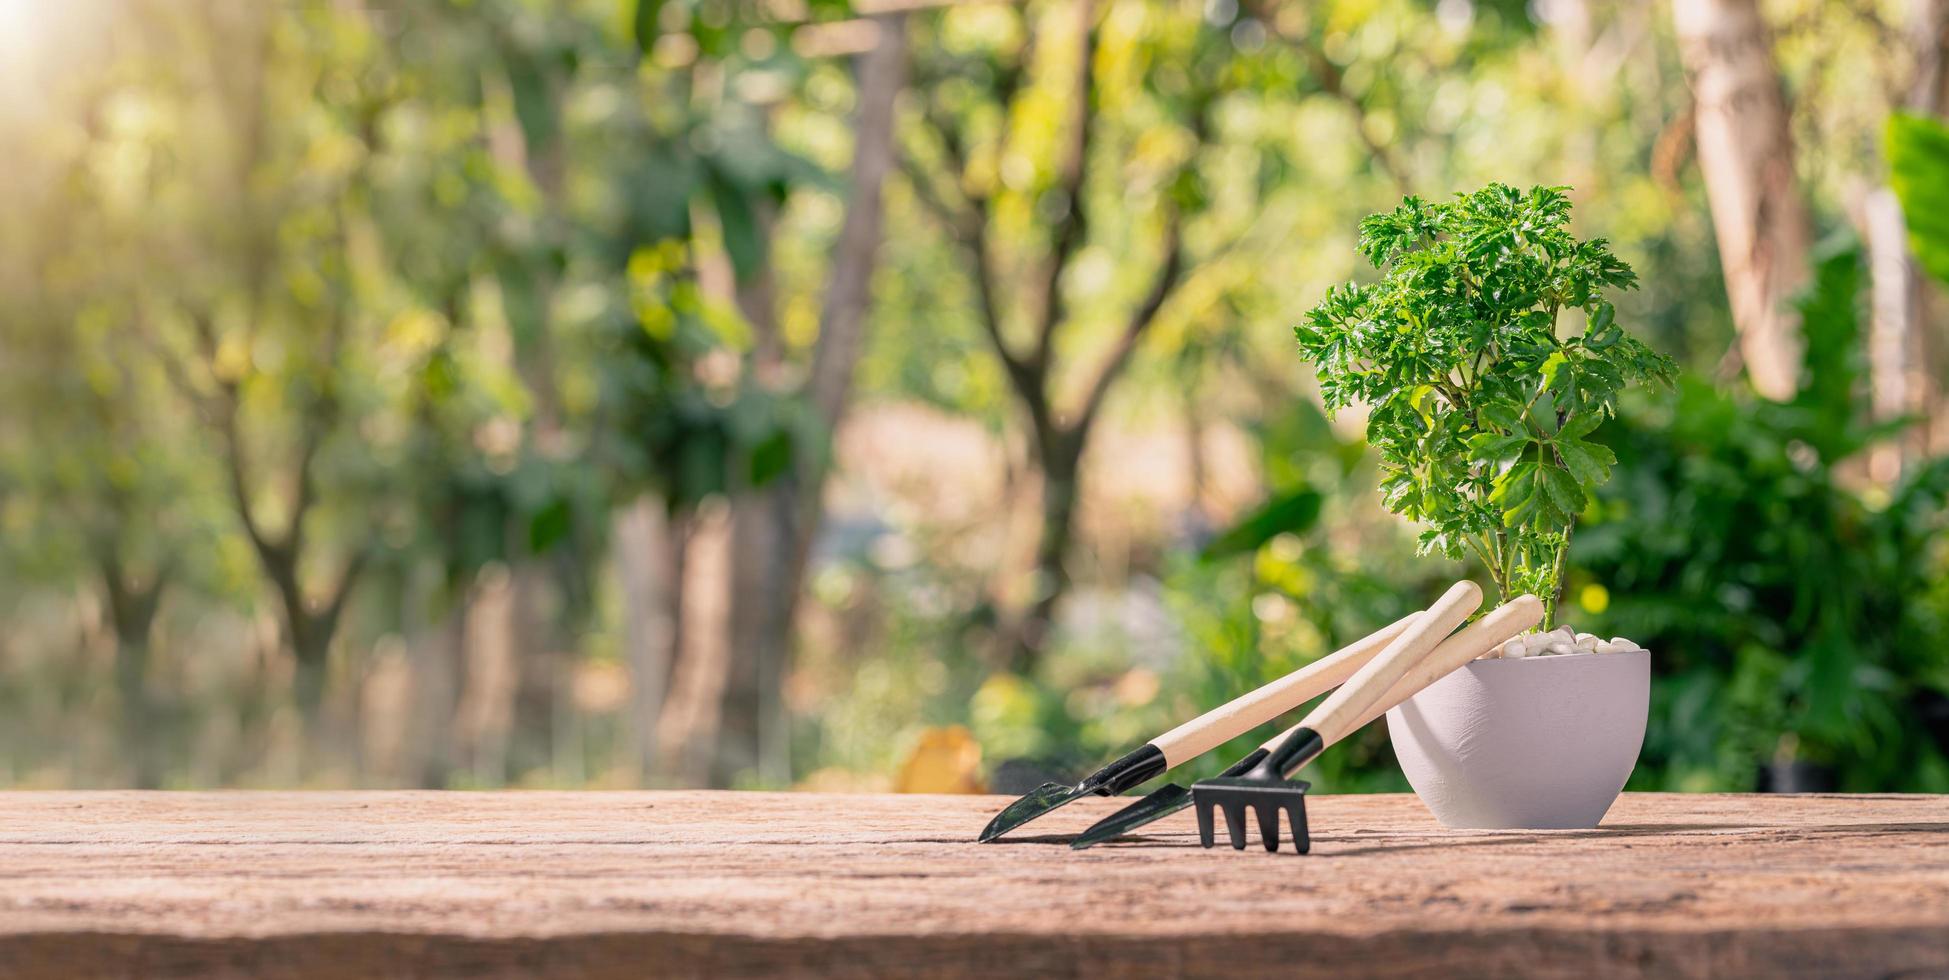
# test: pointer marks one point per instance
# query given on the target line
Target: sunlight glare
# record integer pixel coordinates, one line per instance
(43, 44)
(21, 22)
(23, 28)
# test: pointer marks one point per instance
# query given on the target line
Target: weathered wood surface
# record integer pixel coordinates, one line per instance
(723, 884)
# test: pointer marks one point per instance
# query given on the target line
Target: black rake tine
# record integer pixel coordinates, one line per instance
(1268, 825)
(1265, 789)
(1235, 825)
(1264, 801)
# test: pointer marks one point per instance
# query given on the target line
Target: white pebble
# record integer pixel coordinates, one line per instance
(1606, 646)
(1513, 648)
(1622, 645)
(1536, 643)
(1560, 649)
(1586, 643)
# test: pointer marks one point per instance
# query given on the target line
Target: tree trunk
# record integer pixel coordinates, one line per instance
(132, 614)
(882, 74)
(773, 528)
(1896, 355)
(1895, 301)
(529, 286)
(1929, 94)
(752, 738)
(1061, 464)
(311, 640)
(439, 676)
(649, 563)
(540, 667)
(487, 694)
(304, 630)
(1928, 31)
(687, 727)
(308, 627)
(1746, 153)
(760, 545)
(139, 735)
(1197, 520)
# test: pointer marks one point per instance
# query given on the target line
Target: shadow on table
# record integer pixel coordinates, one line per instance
(1328, 845)
(1617, 831)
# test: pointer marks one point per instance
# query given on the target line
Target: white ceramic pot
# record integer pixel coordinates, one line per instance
(1540, 742)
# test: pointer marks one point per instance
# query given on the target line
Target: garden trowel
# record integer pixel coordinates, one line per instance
(1203, 733)
(1474, 640)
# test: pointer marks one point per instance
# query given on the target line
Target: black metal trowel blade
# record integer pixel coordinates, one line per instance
(1140, 766)
(1033, 804)
(1161, 803)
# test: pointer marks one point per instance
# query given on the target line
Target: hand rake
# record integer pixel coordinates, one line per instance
(1265, 789)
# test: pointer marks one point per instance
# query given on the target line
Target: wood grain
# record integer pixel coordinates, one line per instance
(721, 884)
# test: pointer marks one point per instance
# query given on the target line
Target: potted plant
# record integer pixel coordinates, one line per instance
(1487, 355)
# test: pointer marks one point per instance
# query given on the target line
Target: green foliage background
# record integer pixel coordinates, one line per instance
(326, 326)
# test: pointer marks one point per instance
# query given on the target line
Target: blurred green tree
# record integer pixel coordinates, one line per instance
(98, 482)
(1020, 156)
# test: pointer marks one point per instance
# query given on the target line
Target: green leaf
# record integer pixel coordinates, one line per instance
(700, 465)
(658, 193)
(1589, 462)
(743, 240)
(1295, 512)
(1518, 494)
(1578, 427)
(1488, 447)
(1505, 415)
(1552, 368)
(1830, 685)
(1918, 169)
(1434, 541)
(1563, 490)
(1543, 414)
(534, 98)
(1537, 495)
(770, 457)
(1602, 333)
(550, 525)
(1189, 192)
(644, 24)
(1401, 493)
(1833, 362)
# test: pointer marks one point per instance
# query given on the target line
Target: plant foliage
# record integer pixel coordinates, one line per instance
(1795, 614)
(1918, 168)
(1481, 413)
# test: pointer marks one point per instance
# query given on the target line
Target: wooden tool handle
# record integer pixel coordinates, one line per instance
(1248, 711)
(1336, 715)
(1473, 641)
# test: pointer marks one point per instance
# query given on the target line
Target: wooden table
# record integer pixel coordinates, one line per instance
(731, 884)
